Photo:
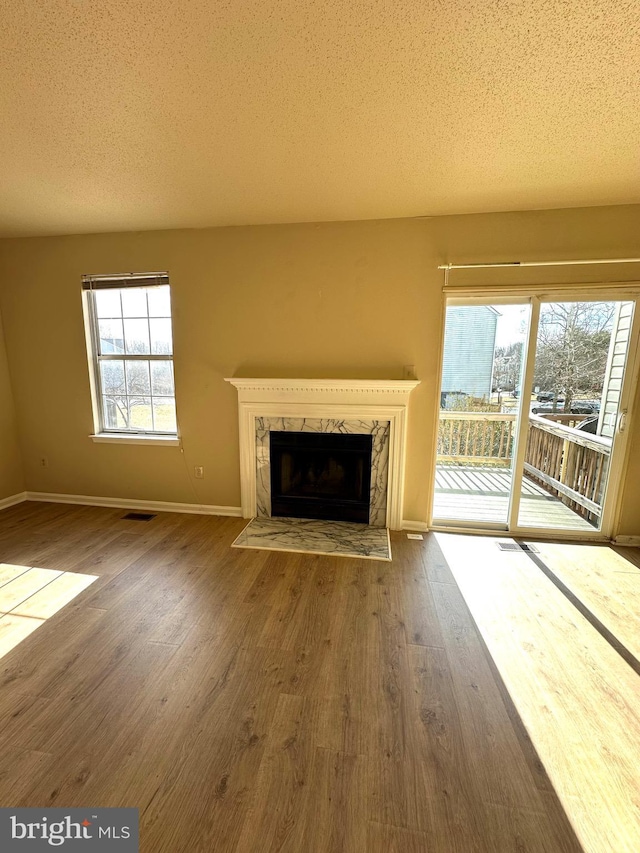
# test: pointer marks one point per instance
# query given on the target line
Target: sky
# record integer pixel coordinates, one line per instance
(512, 323)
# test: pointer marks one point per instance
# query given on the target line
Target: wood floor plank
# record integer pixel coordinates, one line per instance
(304, 631)
(345, 715)
(440, 757)
(388, 682)
(273, 821)
(337, 790)
(288, 599)
(434, 564)
(18, 770)
(421, 625)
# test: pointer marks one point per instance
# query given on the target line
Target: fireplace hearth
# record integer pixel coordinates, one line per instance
(321, 475)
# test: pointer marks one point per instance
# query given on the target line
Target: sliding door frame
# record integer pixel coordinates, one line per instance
(522, 419)
(620, 444)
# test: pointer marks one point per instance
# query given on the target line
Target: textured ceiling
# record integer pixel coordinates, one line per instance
(144, 114)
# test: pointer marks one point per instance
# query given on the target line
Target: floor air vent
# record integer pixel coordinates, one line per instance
(138, 516)
(516, 546)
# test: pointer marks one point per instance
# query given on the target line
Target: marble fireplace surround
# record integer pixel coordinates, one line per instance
(375, 407)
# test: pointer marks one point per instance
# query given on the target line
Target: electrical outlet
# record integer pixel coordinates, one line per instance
(409, 371)
(198, 472)
(44, 462)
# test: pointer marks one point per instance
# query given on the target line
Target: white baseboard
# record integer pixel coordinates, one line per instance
(126, 503)
(631, 541)
(12, 500)
(420, 526)
(193, 509)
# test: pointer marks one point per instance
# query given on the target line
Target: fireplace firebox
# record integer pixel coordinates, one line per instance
(321, 475)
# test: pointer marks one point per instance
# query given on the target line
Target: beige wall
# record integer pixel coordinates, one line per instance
(335, 300)
(11, 478)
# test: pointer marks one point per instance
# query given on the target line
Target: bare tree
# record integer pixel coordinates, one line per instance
(507, 364)
(572, 347)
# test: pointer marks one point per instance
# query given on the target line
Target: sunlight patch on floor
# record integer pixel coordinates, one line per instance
(29, 596)
(599, 557)
(576, 695)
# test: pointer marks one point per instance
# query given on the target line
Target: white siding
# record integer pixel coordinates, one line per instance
(469, 343)
(615, 369)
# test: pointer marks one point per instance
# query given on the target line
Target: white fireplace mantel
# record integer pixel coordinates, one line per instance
(325, 399)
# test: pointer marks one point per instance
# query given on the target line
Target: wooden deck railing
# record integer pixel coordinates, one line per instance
(566, 462)
(561, 418)
(475, 438)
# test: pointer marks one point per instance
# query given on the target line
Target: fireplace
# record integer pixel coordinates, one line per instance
(370, 409)
(321, 475)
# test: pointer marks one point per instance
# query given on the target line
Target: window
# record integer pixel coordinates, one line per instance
(131, 352)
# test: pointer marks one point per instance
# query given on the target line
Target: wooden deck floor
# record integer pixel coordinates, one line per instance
(482, 494)
(254, 701)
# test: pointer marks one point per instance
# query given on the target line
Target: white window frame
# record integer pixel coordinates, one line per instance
(103, 434)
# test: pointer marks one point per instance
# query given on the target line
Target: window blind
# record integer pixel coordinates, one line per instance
(103, 282)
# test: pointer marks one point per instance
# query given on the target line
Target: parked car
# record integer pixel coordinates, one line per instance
(578, 407)
(585, 407)
(546, 408)
(547, 396)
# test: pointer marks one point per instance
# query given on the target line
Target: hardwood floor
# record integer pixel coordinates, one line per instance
(259, 701)
(578, 694)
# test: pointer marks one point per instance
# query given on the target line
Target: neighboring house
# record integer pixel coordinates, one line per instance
(612, 385)
(470, 340)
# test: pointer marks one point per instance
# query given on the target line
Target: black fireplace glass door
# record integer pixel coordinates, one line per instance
(321, 475)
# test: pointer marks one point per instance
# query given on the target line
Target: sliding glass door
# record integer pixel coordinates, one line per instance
(479, 410)
(579, 364)
(532, 406)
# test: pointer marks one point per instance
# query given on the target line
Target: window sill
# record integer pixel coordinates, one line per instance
(112, 438)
